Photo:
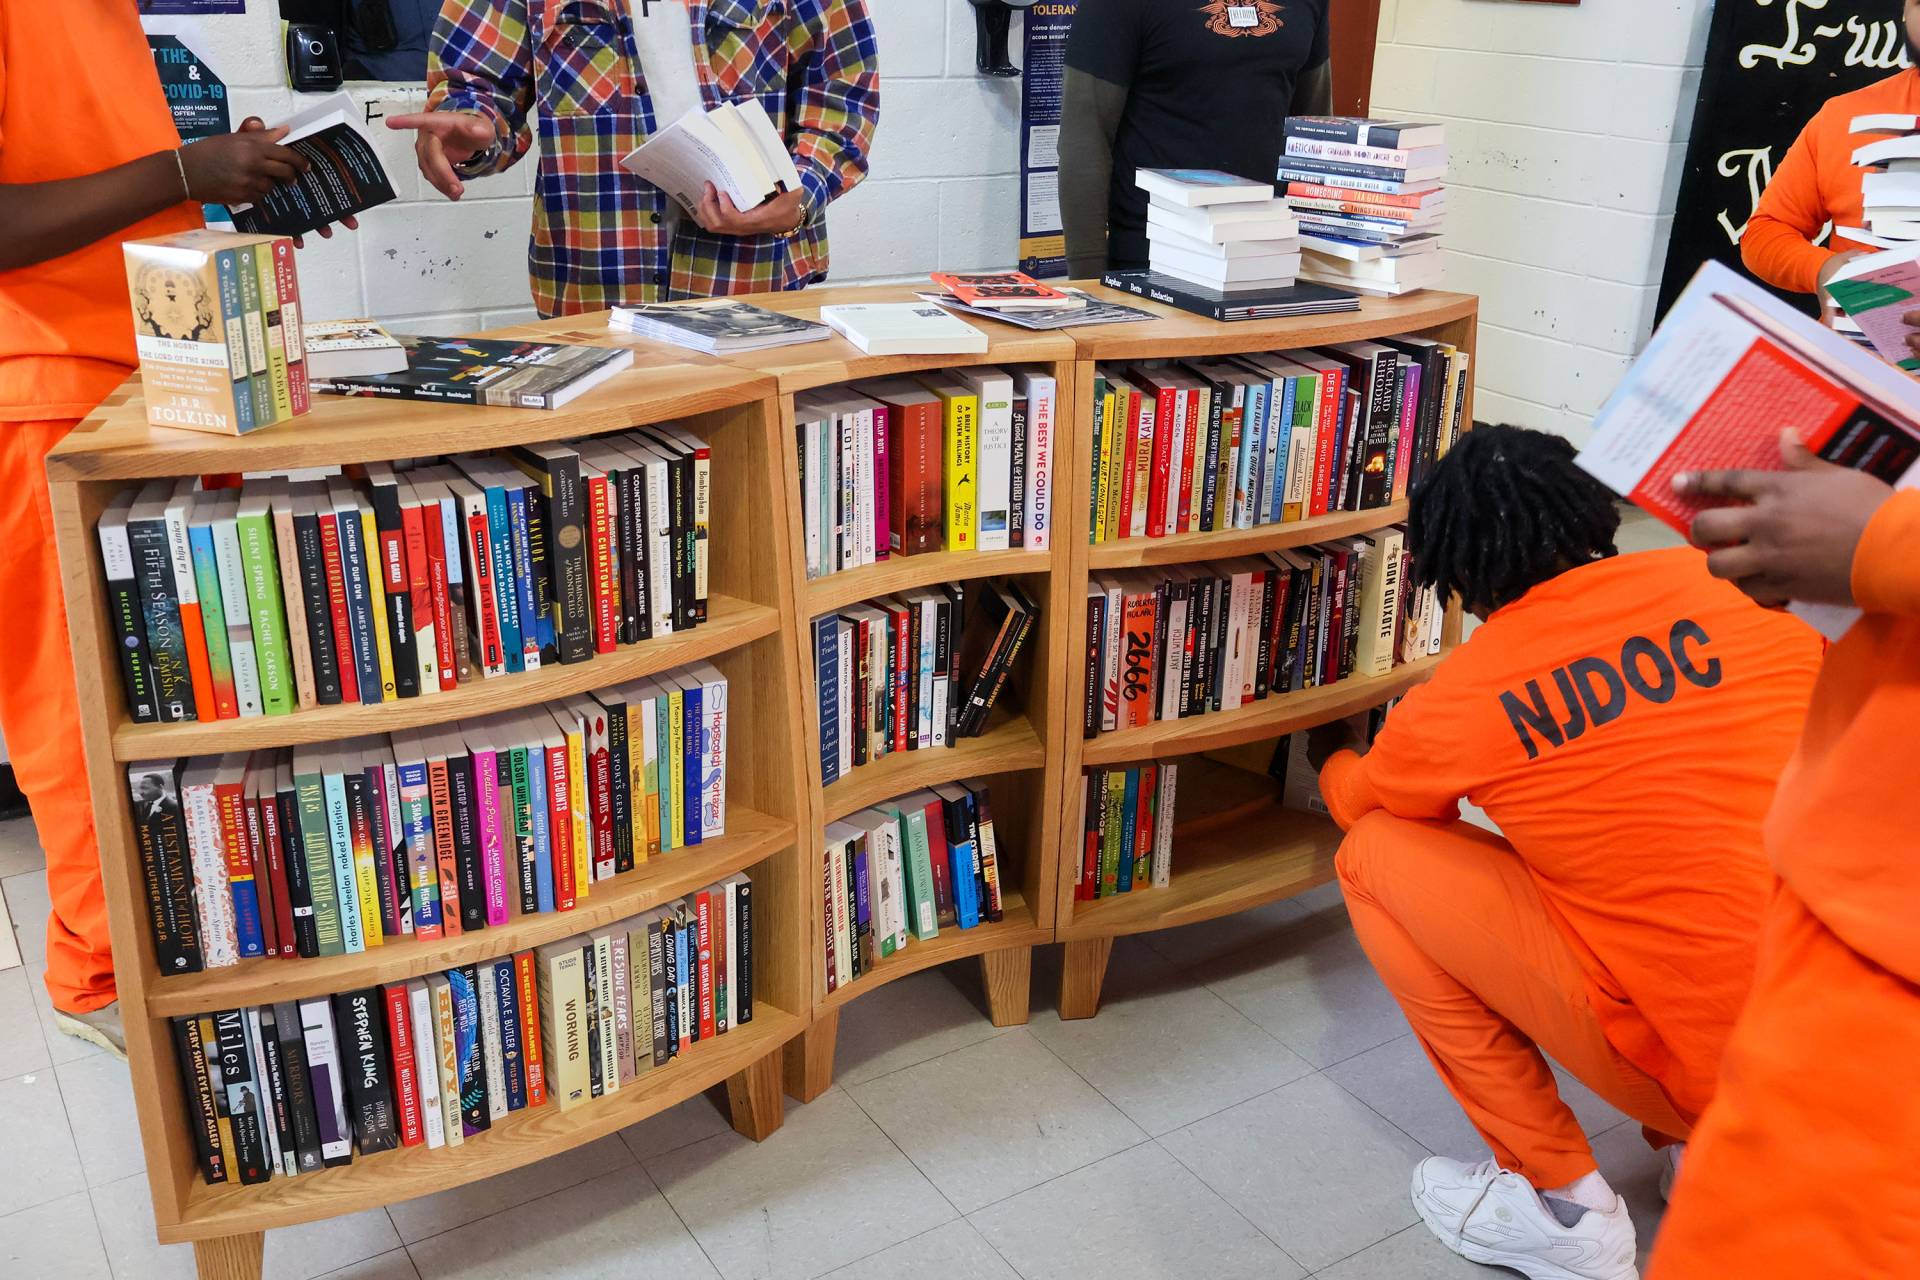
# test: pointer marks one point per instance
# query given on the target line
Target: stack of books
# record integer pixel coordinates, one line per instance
(1370, 201)
(916, 671)
(285, 594)
(216, 319)
(341, 847)
(1218, 231)
(903, 870)
(291, 1088)
(1126, 829)
(953, 460)
(1889, 152)
(1168, 645)
(1202, 446)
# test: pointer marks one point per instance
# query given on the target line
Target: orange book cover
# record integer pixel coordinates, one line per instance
(1009, 290)
(1138, 615)
(530, 1036)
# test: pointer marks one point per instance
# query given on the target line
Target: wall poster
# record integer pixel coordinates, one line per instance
(197, 97)
(1043, 247)
(1770, 64)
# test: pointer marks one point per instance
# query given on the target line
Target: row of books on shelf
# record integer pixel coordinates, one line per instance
(1203, 446)
(955, 460)
(1126, 829)
(283, 594)
(290, 1088)
(903, 870)
(332, 849)
(1195, 639)
(915, 671)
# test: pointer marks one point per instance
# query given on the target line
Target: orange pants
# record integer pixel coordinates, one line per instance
(40, 718)
(1453, 923)
(1808, 1162)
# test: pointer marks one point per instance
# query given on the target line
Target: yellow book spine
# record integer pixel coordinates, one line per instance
(276, 335)
(1115, 430)
(672, 795)
(367, 880)
(377, 599)
(582, 821)
(963, 420)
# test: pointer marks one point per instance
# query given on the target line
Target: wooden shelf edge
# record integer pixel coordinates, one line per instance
(730, 624)
(1008, 746)
(1129, 553)
(949, 945)
(1265, 719)
(1172, 910)
(522, 1138)
(837, 591)
(751, 838)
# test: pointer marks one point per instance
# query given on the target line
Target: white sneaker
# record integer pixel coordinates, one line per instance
(1490, 1216)
(1670, 1158)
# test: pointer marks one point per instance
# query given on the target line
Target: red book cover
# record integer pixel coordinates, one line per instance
(1278, 658)
(606, 621)
(1143, 823)
(1131, 441)
(337, 604)
(531, 1056)
(481, 589)
(406, 1082)
(1332, 641)
(902, 630)
(703, 940)
(441, 801)
(882, 488)
(270, 838)
(229, 803)
(1195, 453)
(916, 508)
(290, 320)
(440, 595)
(413, 530)
(560, 823)
(936, 815)
(1332, 410)
(1163, 475)
(262, 880)
(1138, 616)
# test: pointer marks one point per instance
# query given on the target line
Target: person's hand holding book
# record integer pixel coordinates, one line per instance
(442, 141)
(779, 215)
(255, 130)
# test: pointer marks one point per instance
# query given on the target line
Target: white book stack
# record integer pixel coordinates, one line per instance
(1370, 199)
(1218, 231)
(1888, 148)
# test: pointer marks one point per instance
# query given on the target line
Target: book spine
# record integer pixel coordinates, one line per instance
(602, 575)
(492, 1046)
(504, 990)
(160, 605)
(532, 1046)
(959, 468)
(1377, 156)
(483, 599)
(288, 282)
(566, 515)
(475, 1116)
(234, 326)
(464, 808)
(411, 1124)
(245, 1105)
(349, 662)
(160, 833)
(425, 1037)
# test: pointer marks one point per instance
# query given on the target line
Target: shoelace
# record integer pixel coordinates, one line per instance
(1488, 1171)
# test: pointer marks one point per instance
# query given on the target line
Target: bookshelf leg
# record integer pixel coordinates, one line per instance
(809, 1064)
(753, 1096)
(1008, 976)
(229, 1257)
(1083, 970)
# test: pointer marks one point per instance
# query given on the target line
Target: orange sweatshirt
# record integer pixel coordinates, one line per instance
(1625, 724)
(1817, 183)
(1846, 823)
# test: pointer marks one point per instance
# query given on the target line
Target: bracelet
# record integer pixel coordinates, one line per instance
(180, 164)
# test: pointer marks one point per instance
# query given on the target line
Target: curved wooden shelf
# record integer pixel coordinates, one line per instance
(1016, 928)
(751, 836)
(904, 573)
(1012, 744)
(1265, 719)
(520, 1138)
(730, 624)
(1130, 553)
(114, 442)
(1180, 334)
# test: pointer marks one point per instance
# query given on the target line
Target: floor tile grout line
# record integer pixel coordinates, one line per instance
(912, 1163)
(993, 1033)
(518, 1204)
(1264, 1234)
(1064, 1173)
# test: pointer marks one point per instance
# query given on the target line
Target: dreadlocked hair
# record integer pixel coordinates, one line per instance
(1505, 510)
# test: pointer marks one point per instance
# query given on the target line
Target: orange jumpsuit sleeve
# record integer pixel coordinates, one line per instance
(1886, 564)
(1405, 771)
(1777, 245)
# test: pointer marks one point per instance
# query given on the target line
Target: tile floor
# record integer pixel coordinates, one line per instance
(1248, 1104)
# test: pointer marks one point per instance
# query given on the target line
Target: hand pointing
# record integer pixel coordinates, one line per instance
(443, 139)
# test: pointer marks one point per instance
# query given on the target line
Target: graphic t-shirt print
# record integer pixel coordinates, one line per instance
(1242, 17)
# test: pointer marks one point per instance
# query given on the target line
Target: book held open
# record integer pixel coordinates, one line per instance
(734, 146)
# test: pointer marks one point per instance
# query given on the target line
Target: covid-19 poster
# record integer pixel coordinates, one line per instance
(1043, 249)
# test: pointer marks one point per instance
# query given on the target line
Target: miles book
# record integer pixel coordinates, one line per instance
(344, 175)
(518, 375)
(1233, 304)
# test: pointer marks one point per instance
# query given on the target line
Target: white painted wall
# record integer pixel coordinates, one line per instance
(1567, 128)
(942, 194)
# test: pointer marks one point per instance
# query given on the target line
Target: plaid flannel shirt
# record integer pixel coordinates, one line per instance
(601, 235)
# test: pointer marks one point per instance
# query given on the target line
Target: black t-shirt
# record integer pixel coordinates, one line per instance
(1209, 86)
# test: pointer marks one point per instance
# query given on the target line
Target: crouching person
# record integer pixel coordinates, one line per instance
(1623, 719)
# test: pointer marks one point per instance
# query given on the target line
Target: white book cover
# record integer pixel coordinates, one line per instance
(1041, 394)
(1163, 826)
(426, 1067)
(904, 328)
(1281, 243)
(284, 1161)
(1236, 273)
(1142, 465)
(840, 837)
(212, 896)
(1110, 661)
(926, 604)
(1225, 223)
(1193, 188)
(810, 429)
(993, 489)
(491, 1050)
(1235, 666)
(323, 1064)
(233, 587)
(864, 481)
(659, 539)
(1177, 609)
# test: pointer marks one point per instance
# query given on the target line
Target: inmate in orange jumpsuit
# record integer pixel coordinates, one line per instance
(1817, 182)
(70, 104)
(1624, 723)
(1808, 1163)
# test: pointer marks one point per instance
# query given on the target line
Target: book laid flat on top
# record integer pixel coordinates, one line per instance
(716, 325)
(904, 329)
(517, 375)
(1233, 304)
(1005, 291)
(1090, 311)
(351, 349)
(734, 146)
(1193, 188)
(345, 178)
(1687, 403)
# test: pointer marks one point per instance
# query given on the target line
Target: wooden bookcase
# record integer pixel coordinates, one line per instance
(750, 636)
(1234, 847)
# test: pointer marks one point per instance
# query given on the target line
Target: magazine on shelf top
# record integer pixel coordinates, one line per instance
(1091, 310)
(487, 371)
(715, 325)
